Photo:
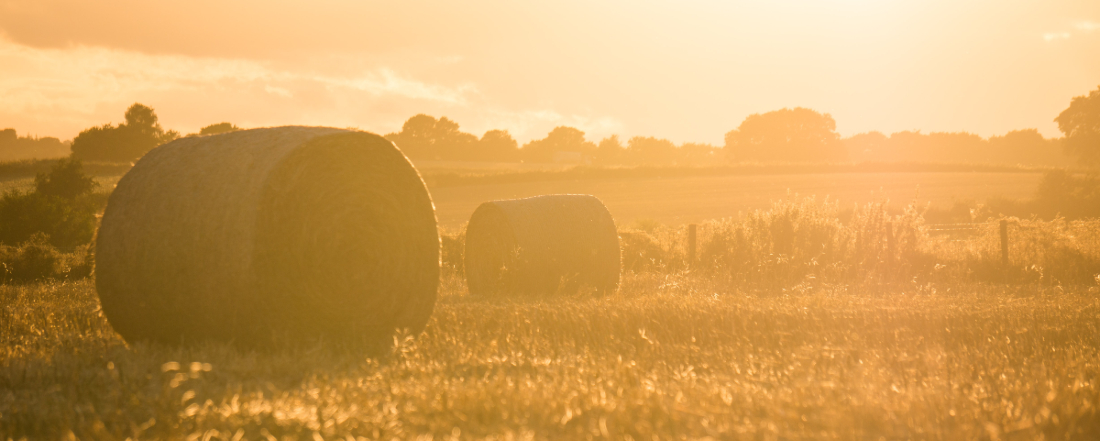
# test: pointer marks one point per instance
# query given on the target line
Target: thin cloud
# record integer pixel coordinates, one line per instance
(1088, 26)
(1054, 36)
(79, 83)
(60, 91)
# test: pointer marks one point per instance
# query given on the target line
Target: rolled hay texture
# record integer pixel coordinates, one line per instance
(544, 245)
(269, 235)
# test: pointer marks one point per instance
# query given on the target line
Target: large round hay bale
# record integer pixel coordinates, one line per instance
(269, 235)
(541, 245)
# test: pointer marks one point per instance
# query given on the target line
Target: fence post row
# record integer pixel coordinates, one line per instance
(691, 244)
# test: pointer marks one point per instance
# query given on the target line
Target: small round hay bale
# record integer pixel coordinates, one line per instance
(541, 245)
(269, 235)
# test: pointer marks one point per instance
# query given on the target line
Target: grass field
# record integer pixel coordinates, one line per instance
(693, 199)
(669, 357)
(688, 199)
(891, 334)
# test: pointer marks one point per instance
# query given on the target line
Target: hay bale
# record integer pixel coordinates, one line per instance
(541, 245)
(265, 235)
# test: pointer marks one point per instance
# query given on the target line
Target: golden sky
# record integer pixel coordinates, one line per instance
(687, 70)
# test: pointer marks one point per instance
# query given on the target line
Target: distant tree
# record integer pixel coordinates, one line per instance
(952, 147)
(648, 150)
(1027, 146)
(797, 134)
(561, 139)
(610, 151)
(128, 141)
(219, 128)
(424, 137)
(498, 146)
(65, 180)
(1062, 193)
(870, 146)
(692, 153)
(1081, 125)
(14, 147)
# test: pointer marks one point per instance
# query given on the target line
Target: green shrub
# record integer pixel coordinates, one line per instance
(32, 261)
(36, 260)
(67, 223)
(62, 206)
(65, 180)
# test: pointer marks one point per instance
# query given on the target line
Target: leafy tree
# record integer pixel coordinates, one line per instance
(561, 139)
(1081, 125)
(14, 147)
(126, 142)
(692, 153)
(870, 146)
(423, 136)
(651, 151)
(1027, 146)
(610, 151)
(955, 147)
(497, 145)
(797, 134)
(219, 128)
(1061, 193)
(66, 180)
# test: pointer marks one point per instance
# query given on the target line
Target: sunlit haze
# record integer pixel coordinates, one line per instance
(682, 70)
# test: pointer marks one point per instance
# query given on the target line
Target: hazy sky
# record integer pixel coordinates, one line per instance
(687, 70)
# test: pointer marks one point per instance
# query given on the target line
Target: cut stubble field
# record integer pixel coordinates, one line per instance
(669, 356)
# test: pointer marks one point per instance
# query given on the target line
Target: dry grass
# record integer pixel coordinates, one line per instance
(671, 356)
(914, 337)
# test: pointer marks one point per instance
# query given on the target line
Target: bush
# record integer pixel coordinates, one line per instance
(36, 260)
(62, 206)
(65, 180)
(32, 261)
(641, 252)
(67, 223)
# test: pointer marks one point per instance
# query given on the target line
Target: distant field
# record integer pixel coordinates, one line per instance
(25, 184)
(693, 199)
(633, 194)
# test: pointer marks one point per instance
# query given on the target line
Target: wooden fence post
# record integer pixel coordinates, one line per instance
(691, 244)
(1004, 242)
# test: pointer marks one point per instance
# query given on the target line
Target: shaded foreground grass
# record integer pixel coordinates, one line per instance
(667, 357)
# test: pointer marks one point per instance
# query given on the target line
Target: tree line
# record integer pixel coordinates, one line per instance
(14, 147)
(785, 135)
